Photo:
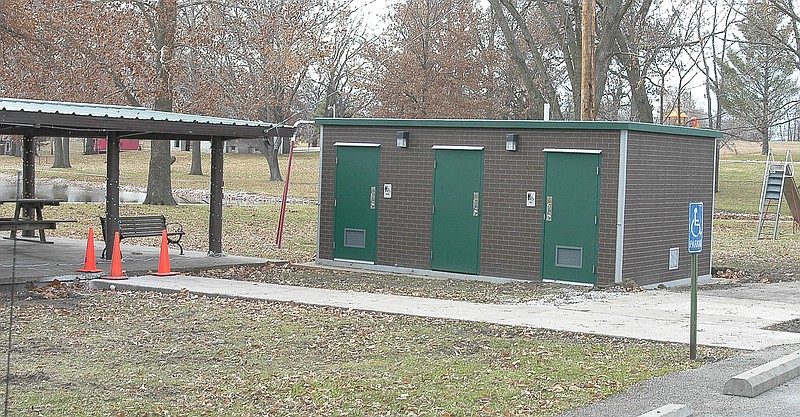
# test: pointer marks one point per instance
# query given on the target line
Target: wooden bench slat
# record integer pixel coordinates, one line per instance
(27, 225)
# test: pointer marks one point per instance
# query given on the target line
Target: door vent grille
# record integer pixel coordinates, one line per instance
(569, 257)
(355, 238)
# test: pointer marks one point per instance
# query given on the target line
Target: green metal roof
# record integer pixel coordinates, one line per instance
(39, 118)
(119, 112)
(522, 124)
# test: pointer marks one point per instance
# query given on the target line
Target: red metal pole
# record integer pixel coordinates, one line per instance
(279, 238)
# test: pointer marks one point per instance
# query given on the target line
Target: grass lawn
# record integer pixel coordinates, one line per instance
(742, 176)
(735, 245)
(243, 172)
(247, 230)
(107, 353)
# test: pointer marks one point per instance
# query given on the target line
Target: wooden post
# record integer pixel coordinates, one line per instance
(28, 176)
(112, 191)
(588, 26)
(215, 210)
(28, 167)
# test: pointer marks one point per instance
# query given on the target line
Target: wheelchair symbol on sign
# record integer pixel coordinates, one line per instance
(696, 227)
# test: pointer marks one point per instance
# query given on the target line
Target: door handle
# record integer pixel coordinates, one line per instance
(548, 215)
(475, 200)
(372, 198)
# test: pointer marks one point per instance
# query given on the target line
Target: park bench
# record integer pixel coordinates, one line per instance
(146, 226)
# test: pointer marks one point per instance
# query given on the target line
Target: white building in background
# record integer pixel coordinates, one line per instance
(234, 146)
(183, 145)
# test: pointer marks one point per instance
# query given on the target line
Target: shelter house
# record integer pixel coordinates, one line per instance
(590, 203)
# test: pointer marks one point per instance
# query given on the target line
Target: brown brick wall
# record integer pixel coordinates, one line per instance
(511, 232)
(660, 169)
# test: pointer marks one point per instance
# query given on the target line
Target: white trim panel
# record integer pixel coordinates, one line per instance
(592, 151)
(622, 184)
(458, 148)
(713, 204)
(363, 145)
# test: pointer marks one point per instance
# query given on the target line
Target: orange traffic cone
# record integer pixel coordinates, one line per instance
(116, 261)
(89, 262)
(163, 260)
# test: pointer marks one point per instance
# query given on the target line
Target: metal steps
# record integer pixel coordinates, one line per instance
(777, 176)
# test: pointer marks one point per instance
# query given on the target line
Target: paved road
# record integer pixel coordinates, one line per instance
(701, 390)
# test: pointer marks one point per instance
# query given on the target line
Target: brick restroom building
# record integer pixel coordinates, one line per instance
(583, 202)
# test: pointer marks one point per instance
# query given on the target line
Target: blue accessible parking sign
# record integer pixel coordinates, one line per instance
(695, 227)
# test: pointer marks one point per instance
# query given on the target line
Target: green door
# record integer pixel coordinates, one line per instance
(457, 199)
(355, 215)
(571, 212)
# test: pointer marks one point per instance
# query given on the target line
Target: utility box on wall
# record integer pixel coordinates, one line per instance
(583, 202)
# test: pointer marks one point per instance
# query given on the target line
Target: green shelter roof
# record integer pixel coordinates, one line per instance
(523, 124)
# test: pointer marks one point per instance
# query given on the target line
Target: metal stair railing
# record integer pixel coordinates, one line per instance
(775, 174)
(764, 206)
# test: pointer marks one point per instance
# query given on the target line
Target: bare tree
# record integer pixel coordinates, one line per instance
(339, 89)
(563, 23)
(760, 89)
(257, 56)
(122, 52)
(433, 62)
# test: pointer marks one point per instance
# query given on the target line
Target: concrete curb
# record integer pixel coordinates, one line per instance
(765, 377)
(670, 410)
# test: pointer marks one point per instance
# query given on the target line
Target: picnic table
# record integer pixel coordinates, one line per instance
(28, 218)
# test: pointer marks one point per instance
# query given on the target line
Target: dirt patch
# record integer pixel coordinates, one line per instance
(532, 292)
(767, 275)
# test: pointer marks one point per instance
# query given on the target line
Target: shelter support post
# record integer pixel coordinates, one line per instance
(28, 175)
(215, 216)
(112, 192)
(28, 167)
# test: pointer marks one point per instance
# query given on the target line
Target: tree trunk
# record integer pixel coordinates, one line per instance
(197, 161)
(641, 107)
(272, 161)
(65, 149)
(58, 153)
(88, 146)
(16, 148)
(534, 96)
(159, 179)
(267, 148)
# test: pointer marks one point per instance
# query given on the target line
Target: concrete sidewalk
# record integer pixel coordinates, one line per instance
(724, 319)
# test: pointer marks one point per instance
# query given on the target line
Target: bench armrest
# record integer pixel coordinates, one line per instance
(174, 227)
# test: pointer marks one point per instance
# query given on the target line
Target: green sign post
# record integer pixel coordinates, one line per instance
(695, 247)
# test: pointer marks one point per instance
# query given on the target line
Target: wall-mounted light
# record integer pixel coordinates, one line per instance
(511, 141)
(402, 138)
